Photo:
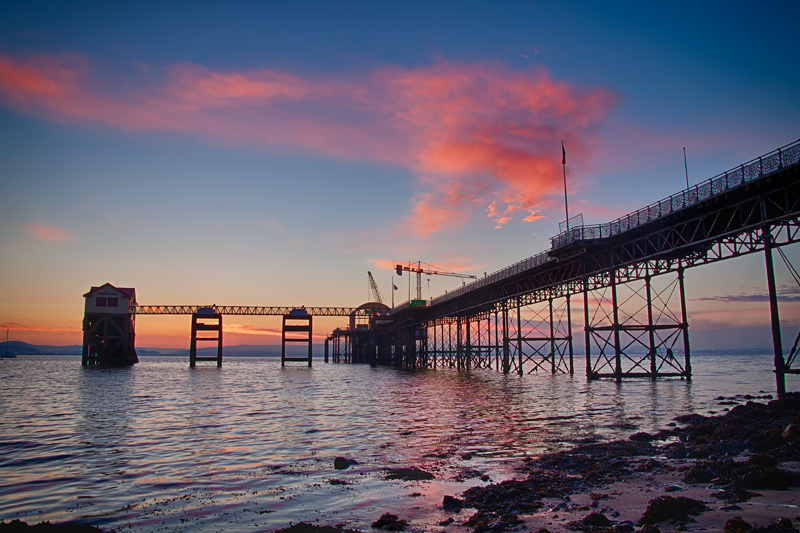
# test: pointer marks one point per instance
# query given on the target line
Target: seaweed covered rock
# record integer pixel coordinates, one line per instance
(735, 495)
(409, 474)
(593, 522)
(305, 527)
(488, 521)
(597, 463)
(744, 475)
(737, 525)
(519, 496)
(670, 508)
(451, 503)
(390, 522)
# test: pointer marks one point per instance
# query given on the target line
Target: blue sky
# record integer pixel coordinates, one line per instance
(272, 153)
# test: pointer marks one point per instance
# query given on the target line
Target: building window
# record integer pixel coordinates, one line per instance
(112, 302)
(100, 301)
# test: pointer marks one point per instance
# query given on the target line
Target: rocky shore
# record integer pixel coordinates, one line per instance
(732, 473)
(735, 473)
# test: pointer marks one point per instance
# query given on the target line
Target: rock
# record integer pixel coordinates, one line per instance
(642, 436)
(731, 507)
(741, 474)
(624, 527)
(409, 474)
(734, 495)
(447, 522)
(305, 527)
(451, 503)
(737, 525)
(390, 522)
(591, 522)
(791, 433)
(342, 463)
(672, 488)
(483, 521)
(761, 459)
(670, 508)
(650, 529)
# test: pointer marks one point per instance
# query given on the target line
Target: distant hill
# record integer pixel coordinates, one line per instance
(23, 348)
(244, 350)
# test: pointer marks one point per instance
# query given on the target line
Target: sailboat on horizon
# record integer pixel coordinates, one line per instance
(4, 352)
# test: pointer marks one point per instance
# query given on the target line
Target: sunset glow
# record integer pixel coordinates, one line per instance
(220, 163)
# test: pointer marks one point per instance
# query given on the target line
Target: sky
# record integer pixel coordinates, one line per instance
(271, 153)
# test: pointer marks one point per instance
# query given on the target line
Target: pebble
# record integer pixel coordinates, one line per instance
(672, 488)
(731, 507)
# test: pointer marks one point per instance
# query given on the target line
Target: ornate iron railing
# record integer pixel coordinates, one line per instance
(519, 266)
(754, 169)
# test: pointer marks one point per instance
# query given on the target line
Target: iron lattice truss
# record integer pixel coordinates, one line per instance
(248, 310)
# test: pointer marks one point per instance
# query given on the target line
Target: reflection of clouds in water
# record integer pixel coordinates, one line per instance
(220, 447)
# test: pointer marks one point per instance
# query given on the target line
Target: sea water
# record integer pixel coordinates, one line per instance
(251, 446)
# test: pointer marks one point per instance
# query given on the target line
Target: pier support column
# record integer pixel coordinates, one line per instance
(777, 343)
(298, 325)
(569, 337)
(635, 326)
(205, 320)
(469, 344)
(519, 334)
(687, 359)
(506, 343)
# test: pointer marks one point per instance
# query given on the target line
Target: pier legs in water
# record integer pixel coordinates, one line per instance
(633, 329)
(777, 344)
(202, 324)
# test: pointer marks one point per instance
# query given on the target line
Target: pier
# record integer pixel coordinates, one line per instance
(626, 275)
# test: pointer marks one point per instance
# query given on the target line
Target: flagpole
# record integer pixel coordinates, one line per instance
(564, 165)
(392, 292)
(686, 168)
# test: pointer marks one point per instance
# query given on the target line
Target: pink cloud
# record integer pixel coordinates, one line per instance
(474, 134)
(48, 233)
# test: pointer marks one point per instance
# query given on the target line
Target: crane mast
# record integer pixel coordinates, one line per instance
(376, 292)
(420, 271)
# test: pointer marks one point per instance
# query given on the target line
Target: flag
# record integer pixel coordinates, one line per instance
(395, 287)
(563, 154)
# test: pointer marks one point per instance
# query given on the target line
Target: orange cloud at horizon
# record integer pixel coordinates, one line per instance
(475, 135)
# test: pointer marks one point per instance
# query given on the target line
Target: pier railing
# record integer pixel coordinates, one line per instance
(754, 169)
(520, 266)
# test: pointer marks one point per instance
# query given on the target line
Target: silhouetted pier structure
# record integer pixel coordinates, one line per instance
(629, 273)
(205, 320)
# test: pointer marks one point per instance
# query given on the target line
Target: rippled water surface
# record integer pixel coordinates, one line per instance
(250, 446)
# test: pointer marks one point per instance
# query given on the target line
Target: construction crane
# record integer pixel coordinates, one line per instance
(376, 292)
(420, 271)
